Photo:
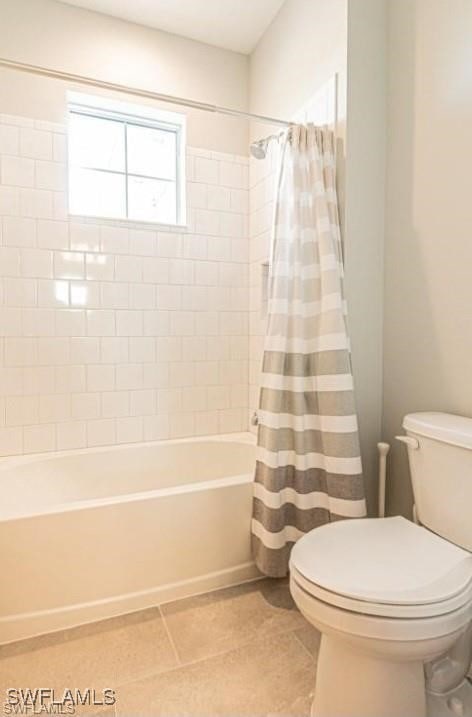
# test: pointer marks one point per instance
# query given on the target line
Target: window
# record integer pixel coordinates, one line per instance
(125, 162)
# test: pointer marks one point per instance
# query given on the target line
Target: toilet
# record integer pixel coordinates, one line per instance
(393, 598)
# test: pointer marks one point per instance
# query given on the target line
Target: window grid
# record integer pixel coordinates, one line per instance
(126, 121)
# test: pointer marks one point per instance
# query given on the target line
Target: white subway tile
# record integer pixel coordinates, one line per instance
(10, 320)
(53, 351)
(19, 292)
(19, 232)
(142, 403)
(207, 222)
(11, 381)
(100, 322)
(206, 273)
(99, 267)
(114, 295)
(85, 406)
(53, 293)
(71, 435)
(59, 148)
(84, 237)
(129, 430)
(169, 245)
(169, 348)
(142, 242)
(36, 263)
(52, 234)
(156, 375)
(54, 408)
(35, 143)
(20, 351)
(39, 439)
(11, 441)
(194, 347)
(84, 294)
(181, 271)
(219, 198)
(37, 322)
(85, 349)
(114, 240)
(128, 268)
(156, 271)
(115, 403)
(169, 297)
(70, 322)
(17, 171)
(206, 170)
(100, 377)
(206, 423)
(129, 323)
(142, 349)
(182, 323)
(9, 201)
(9, 139)
(194, 398)
(195, 246)
(197, 195)
(37, 203)
(101, 432)
(38, 379)
(50, 175)
(70, 379)
(114, 349)
(129, 376)
(156, 323)
(156, 428)
(181, 424)
(69, 265)
(21, 410)
(169, 400)
(232, 175)
(10, 261)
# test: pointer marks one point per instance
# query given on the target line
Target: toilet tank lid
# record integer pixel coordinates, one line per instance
(444, 427)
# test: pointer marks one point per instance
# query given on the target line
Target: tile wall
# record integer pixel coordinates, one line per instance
(262, 178)
(116, 332)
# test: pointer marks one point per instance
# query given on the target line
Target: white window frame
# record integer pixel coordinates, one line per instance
(139, 116)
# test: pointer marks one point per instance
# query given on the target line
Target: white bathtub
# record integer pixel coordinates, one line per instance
(90, 534)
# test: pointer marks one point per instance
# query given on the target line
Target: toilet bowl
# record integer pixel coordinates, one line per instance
(393, 599)
(388, 596)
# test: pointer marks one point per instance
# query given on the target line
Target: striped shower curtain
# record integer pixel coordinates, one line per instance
(308, 469)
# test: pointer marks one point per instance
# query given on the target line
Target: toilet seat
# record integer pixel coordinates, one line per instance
(387, 567)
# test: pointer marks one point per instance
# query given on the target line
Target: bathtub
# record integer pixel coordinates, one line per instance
(90, 534)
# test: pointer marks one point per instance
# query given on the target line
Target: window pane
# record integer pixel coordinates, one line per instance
(99, 194)
(152, 200)
(96, 142)
(151, 152)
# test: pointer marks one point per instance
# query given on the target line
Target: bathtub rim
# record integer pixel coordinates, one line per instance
(8, 462)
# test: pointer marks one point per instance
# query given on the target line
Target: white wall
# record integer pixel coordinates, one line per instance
(364, 223)
(71, 39)
(428, 288)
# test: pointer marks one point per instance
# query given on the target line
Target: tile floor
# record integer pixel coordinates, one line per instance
(244, 650)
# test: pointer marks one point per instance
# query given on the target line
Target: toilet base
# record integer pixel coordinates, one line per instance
(351, 683)
(457, 703)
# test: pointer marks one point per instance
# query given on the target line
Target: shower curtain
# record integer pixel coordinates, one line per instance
(308, 469)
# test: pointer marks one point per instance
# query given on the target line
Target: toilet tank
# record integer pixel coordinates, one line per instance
(441, 473)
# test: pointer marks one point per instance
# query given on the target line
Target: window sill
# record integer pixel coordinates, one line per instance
(130, 223)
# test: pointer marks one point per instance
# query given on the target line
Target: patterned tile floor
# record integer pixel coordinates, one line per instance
(240, 651)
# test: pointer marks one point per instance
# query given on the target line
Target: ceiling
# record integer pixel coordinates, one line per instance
(232, 24)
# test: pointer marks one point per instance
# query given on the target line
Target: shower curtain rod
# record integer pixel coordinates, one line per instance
(91, 82)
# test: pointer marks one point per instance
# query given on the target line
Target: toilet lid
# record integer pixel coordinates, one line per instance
(390, 561)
